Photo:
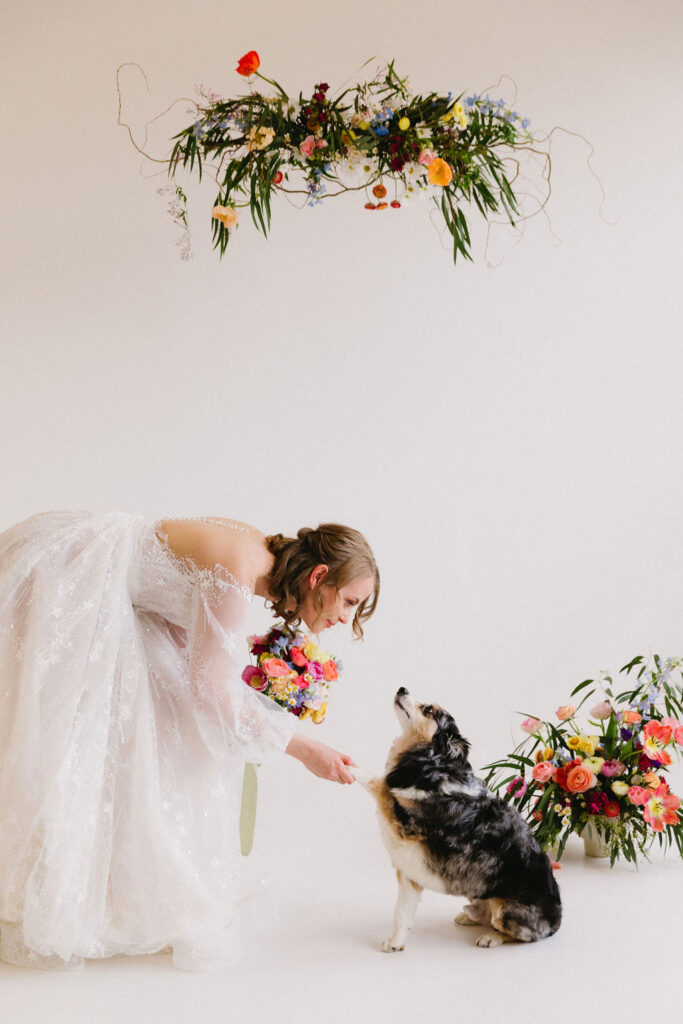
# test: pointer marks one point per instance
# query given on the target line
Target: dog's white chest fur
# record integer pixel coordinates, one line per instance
(407, 856)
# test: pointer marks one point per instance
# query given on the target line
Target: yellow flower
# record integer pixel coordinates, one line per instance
(548, 754)
(458, 110)
(462, 121)
(363, 126)
(573, 742)
(620, 788)
(259, 138)
(448, 117)
(587, 744)
(313, 652)
(404, 124)
(318, 715)
(594, 763)
(227, 215)
(439, 172)
(348, 137)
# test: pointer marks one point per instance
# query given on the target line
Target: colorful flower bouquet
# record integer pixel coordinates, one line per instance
(375, 138)
(609, 775)
(292, 671)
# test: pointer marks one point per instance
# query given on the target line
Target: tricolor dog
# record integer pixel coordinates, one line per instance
(446, 831)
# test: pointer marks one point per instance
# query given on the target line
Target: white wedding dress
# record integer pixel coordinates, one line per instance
(124, 728)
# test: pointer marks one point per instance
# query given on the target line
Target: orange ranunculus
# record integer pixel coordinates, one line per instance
(439, 172)
(379, 191)
(330, 670)
(631, 717)
(248, 64)
(565, 712)
(579, 779)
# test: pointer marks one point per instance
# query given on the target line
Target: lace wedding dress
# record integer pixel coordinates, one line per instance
(124, 728)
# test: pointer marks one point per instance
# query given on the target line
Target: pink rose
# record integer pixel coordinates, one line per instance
(426, 157)
(601, 710)
(316, 669)
(321, 143)
(610, 768)
(308, 145)
(638, 795)
(542, 771)
(530, 725)
(565, 712)
(254, 677)
(678, 734)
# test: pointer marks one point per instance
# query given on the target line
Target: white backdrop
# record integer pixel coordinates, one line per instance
(508, 439)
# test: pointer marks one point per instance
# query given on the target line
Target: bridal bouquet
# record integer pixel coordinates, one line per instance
(609, 773)
(375, 138)
(292, 671)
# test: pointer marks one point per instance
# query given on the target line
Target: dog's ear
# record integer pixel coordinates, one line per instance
(449, 742)
(405, 775)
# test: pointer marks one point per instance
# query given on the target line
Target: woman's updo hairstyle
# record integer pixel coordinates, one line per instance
(344, 551)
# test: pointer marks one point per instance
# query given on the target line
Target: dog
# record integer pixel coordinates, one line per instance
(446, 831)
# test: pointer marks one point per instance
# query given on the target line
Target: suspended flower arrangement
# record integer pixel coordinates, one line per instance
(374, 139)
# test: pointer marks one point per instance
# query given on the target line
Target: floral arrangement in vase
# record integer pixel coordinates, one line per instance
(606, 777)
(374, 138)
(293, 671)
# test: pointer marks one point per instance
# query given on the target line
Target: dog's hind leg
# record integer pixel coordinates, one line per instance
(507, 919)
(409, 895)
(476, 912)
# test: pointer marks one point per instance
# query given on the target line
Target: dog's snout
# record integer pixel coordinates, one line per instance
(401, 692)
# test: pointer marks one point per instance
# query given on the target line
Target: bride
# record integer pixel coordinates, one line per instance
(125, 725)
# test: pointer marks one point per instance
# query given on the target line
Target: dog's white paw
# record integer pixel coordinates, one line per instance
(388, 947)
(464, 918)
(490, 939)
(360, 775)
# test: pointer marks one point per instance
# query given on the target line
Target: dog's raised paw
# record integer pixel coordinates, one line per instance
(464, 918)
(388, 947)
(490, 939)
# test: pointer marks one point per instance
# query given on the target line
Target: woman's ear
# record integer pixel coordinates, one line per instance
(318, 575)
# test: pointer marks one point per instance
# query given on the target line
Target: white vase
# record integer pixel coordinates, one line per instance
(596, 841)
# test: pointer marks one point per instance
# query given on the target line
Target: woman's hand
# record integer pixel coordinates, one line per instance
(323, 761)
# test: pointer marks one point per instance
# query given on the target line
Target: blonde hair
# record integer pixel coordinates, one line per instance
(344, 551)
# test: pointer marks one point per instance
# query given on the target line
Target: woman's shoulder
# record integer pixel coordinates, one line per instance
(209, 541)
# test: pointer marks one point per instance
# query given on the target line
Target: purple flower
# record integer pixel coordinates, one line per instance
(626, 734)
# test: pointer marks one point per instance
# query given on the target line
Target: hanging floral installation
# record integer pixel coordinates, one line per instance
(375, 139)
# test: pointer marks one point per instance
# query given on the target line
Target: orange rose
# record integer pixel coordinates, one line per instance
(439, 172)
(330, 670)
(631, 717)
(248, 64)
(565, 711)
(276, 667)
(579, 779)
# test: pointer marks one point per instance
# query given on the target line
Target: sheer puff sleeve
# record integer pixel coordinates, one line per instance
(233, 719)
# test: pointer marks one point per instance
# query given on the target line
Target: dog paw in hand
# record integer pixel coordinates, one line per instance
(490, 939)
(388, 947)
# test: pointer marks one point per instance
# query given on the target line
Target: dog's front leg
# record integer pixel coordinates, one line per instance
(365, 779)
(409, 895)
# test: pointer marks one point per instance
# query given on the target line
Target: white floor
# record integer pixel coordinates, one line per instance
(311, 954)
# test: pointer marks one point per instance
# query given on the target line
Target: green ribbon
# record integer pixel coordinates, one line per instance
(248, 808)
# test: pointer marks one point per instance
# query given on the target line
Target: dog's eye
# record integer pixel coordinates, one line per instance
(427, 709)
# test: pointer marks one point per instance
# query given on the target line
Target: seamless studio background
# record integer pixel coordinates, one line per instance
(507, 438)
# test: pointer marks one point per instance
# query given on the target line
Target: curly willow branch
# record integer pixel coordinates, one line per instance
(124, 124)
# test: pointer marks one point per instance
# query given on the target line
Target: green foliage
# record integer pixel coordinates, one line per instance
(252, 145)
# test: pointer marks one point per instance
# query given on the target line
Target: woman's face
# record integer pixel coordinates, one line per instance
(337, 606)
